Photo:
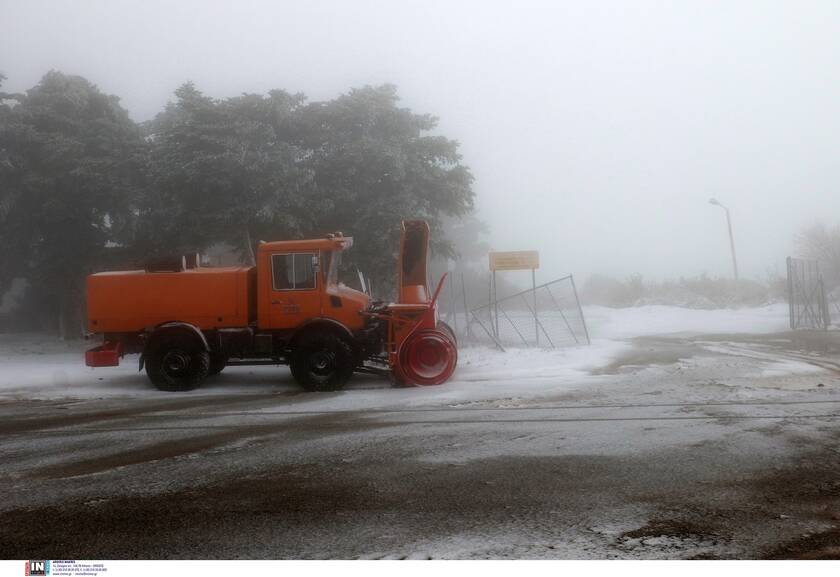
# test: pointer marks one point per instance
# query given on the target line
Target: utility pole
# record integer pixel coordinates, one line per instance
(715, 202)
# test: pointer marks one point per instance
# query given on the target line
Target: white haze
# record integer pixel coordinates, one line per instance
(597, 131)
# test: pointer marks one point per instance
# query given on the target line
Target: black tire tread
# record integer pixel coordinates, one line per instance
(317, 339)
(199, 363)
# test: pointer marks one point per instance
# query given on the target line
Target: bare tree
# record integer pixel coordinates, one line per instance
(822, 243)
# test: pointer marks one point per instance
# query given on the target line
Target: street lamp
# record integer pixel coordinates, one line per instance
(715, 202)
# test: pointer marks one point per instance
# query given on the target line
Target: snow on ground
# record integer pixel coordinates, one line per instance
(771, 365)
(35, 367)
(609, 323)
(783, 368)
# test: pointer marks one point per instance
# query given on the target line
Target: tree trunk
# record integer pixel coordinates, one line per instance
(70, 313)
(61, 323)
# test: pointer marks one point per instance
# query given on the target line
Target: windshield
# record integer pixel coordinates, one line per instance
(332, 270)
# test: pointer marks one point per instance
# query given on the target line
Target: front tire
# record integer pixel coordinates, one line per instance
(322, 362)
(176, 363)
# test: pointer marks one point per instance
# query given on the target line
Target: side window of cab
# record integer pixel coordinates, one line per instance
(294, 271)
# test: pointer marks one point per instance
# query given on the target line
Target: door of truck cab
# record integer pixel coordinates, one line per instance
(295, 292)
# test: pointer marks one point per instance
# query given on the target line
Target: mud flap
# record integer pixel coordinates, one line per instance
(105, 355)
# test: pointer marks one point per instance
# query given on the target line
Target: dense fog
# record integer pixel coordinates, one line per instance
(595, 132)
(664, 384)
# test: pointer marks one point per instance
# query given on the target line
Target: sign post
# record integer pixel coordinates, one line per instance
(516, 260)
(536, 318)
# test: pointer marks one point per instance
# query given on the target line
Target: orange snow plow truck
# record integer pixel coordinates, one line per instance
(189, 322)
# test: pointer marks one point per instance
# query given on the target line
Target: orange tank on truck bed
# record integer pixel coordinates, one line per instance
(208, 298)
(189, 323)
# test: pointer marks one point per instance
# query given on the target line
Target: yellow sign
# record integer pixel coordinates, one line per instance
(517, 260)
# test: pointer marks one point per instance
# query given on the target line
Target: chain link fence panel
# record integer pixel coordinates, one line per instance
(806, 295)
(548, 316)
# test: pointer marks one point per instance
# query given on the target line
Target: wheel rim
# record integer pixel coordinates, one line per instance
(176, 363)
(322, 363)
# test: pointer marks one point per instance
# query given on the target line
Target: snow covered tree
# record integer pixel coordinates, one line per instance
(272, 167)
(69, 169)
(78, 178)
(822, 243)
(220, 170)
(374, 164)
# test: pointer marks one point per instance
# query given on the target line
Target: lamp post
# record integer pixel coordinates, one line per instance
(715, 202)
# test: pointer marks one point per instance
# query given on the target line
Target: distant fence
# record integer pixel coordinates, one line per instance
(547, 316)
(806, 295)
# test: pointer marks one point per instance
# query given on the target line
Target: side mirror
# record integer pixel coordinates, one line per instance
(316, 263)
(362, 282)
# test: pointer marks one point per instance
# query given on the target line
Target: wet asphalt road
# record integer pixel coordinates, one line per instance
(638, 465)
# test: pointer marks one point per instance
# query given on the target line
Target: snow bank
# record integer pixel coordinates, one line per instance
(610, 323)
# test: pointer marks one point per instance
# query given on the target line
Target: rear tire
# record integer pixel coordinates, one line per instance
(322, 361)
(177, 363)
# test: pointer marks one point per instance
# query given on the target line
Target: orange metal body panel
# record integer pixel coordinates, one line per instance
(414, 248)
(133, 300)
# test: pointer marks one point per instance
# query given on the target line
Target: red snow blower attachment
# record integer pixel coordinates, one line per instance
(421, 349)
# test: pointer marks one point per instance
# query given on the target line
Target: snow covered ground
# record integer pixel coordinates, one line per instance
(34, 367)
(677, 434)
(609, 323)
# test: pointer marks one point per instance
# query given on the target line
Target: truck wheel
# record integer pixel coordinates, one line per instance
(322, 362)
(218, 362)
(176, 363)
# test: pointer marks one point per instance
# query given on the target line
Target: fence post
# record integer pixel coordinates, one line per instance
(496, 303)
(490, 302)
(467, 331)
(790, 291)
(536, 316)
(826, 315)
(580, 310)
(453, 304)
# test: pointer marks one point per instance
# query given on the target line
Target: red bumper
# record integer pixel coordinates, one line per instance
(105, 355)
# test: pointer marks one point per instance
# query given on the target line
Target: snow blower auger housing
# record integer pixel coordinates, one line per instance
(188, 321)
(421, 349)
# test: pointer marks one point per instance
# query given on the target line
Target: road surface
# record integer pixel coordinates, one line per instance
(705, 446)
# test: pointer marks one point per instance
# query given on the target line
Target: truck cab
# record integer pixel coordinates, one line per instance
(297, 282)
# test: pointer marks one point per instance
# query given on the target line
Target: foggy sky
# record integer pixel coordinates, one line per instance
(596, 131)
